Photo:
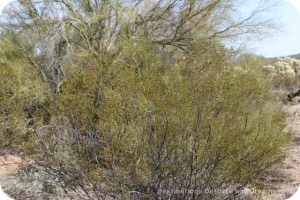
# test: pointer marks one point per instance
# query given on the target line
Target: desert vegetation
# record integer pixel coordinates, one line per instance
(284, 72)
(138, 99)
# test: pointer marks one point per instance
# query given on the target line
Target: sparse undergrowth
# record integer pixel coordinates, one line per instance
(34, 183)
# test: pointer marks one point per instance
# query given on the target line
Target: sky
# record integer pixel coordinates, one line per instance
(287, 40)
(282, 43)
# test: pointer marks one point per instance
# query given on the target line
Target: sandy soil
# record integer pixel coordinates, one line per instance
(8, 164)
(285, 179)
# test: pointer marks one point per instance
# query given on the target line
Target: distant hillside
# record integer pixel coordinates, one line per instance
(273, 59)
(297, 56)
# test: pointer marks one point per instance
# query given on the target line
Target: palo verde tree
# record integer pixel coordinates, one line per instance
(66, 29)
(143, 97)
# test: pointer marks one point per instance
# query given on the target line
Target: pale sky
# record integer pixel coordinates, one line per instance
(284, 42)
(3, 3)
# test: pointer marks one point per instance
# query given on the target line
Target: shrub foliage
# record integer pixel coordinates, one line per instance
(143, 119)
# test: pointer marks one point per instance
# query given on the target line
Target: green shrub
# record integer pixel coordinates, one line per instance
(21, 92)
(133, 133)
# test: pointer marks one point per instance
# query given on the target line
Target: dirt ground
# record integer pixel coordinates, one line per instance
(10, 163)
(284, 179)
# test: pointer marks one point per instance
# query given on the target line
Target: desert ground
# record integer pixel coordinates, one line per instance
(285, 179)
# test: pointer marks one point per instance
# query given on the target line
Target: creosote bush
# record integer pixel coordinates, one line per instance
(131, 134)
(21, 92)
